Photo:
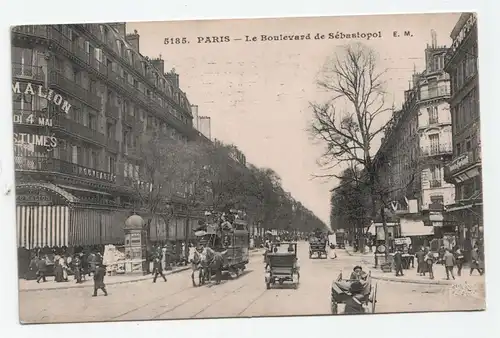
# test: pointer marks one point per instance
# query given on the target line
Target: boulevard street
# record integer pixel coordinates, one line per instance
(245, 296)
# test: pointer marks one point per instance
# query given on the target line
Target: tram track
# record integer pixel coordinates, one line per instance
(156, 300)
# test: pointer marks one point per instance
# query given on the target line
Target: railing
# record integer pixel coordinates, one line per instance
(44, 164)
(435, 183)
(78, 129)
(433, 120)
(70, 87)
(112, 111)
(439, 149)
(434, 93)
(29, 72)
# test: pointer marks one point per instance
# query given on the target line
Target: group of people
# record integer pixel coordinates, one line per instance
(63, 265)
(448, 257)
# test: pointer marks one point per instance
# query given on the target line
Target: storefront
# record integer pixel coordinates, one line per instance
(468, 220)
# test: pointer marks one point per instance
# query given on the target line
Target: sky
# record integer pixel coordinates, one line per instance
(258, 93)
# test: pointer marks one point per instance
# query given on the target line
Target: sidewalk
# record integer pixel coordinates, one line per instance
(411, 275)
(32, 285)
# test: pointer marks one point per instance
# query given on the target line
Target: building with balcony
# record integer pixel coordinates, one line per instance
(78, 92)
(416, 147)
(464, 170)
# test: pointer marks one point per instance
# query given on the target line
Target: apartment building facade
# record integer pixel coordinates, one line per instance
(415, 149)
(79, 91)
(464, 171)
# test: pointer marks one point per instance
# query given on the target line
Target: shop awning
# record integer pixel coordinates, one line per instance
(411, 227)
(462, 207)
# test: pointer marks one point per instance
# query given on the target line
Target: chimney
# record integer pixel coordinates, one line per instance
(194, 111)
(119, 26)
(205, 127)
(173, 78)
(434, 38)
(133, 40)
(159, 64)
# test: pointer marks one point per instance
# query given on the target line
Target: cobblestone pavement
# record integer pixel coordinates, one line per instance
(242, 297)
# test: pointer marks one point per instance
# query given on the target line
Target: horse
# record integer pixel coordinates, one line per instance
(211, 261)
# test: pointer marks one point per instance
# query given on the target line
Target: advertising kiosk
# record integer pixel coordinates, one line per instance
(135, 246)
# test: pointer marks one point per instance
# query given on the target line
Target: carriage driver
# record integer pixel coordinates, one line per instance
(354, 304)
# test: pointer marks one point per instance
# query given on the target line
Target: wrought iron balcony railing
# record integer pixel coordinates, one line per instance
(52, 165)
(439, 149)
(68, 86)
(435, 183)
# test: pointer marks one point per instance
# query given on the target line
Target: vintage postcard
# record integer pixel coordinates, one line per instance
(242, 168)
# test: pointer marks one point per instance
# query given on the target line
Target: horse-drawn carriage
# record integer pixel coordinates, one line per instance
(282, 266)
(342, 292)
(225, 249)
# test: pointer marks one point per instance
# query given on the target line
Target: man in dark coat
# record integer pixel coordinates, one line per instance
(354, 304)
(42, 269)
(99, 280)
(158, 269)
(420, 255)
(398, 263)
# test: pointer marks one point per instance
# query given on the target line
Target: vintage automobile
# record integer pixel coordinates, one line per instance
(341, 291)
(317, 246)
(282, 265)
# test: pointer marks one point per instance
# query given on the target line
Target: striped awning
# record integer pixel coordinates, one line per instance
(39, 226)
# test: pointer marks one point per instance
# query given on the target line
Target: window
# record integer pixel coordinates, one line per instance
(433, 115)
(437, 199)
(435, 176)
(92, 122)
(110, 131)
(22, 60)
(111, 164)
(433, 88)
(74, 154)
(434, 142)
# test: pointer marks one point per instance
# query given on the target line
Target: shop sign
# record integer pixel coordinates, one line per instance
(459, 162)
(402, 241)
(38, 90)
(96, 174)
(25, 139)
(33, 198)
(32, 118)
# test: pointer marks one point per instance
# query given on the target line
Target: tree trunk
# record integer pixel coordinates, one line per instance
(386, 237)
(147, 242)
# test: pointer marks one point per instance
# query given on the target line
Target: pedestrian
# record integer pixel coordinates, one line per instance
(449, 263)
(411, 259)
(398, 263)
(429, 263)
(99, 275)
(476, 263)
(420, 255)
(41, 269)
(459, 259)
(77, 267)
(158, 269)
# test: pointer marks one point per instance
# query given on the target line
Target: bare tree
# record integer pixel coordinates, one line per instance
(156, 168)
(353, 119)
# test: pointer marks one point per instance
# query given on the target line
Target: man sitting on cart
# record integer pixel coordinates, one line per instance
(354, 303)
(358, 273)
